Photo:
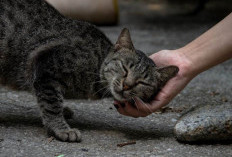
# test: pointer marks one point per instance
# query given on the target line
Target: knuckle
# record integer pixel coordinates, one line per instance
(164, 51)
(135, 116)
(146, 114)
(165, 96)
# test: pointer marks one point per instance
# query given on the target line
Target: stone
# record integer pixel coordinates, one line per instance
(207, 123)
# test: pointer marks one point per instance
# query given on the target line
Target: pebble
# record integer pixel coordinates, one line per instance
(207, 123)
(173, 120)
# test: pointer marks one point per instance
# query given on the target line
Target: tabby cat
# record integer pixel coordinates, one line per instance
(56, 58)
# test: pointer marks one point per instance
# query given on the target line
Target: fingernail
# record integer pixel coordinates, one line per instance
(116, 106)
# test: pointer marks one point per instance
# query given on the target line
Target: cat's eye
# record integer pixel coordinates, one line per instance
(145, 76)
(106, 71)
(143, 83)
(125, 71)
(131, 65)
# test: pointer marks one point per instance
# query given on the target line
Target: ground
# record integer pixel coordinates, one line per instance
(21, 132)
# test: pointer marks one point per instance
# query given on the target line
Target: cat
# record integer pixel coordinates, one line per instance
(56, 58)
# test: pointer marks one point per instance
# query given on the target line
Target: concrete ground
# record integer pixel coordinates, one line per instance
(152, 29)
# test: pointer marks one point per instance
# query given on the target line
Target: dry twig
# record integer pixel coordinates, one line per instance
(126, 143)
(50, 139)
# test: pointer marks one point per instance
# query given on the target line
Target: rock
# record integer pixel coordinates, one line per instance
(207, 123)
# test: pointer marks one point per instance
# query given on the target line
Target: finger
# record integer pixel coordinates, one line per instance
(121, 110)
(116, 106)
(129, 110)
(167, 93)
(160, 100)
(134, 111)
(143, 107)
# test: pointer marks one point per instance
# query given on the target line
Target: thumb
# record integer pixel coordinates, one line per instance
(160, 100)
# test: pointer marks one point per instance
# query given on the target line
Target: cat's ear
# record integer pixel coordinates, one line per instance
(124, 40)
(166, 73)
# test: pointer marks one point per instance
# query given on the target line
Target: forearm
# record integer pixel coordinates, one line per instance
(211, 48)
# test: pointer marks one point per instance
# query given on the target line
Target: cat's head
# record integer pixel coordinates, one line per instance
(130, 73)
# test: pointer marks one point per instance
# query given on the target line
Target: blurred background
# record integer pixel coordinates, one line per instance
(110, 12)
(154, 24)
(151, 11)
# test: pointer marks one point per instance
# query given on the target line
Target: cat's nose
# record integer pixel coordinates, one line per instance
(125, 86)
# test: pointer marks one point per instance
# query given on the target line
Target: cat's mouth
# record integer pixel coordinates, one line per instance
(121, 96)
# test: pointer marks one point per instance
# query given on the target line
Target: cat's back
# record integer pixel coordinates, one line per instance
(21, 20)
(23, 26)
(28, 25)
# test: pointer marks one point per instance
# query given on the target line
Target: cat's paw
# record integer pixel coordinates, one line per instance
(70, 135)
(68, 113)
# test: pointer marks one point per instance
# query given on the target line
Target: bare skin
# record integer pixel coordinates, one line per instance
(211, 48)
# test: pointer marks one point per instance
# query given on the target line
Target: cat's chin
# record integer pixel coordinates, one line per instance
(120, 98)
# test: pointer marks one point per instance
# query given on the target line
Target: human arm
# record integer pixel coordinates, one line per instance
(211, 48)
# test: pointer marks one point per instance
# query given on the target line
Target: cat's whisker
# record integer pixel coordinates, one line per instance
(144, 104)
(135, 104)
(105, 93)
(97, 74)
(101, 89)
(101, 81)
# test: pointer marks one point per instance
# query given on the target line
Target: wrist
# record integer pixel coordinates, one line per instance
(186, 64)
(178, 58)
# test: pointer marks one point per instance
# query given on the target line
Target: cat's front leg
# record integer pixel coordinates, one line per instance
(50, 100)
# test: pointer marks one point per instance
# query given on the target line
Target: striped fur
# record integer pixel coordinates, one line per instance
(42, 51)
(57, 58)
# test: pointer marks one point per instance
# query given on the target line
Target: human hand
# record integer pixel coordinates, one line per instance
(168, 92)
(211, 48)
